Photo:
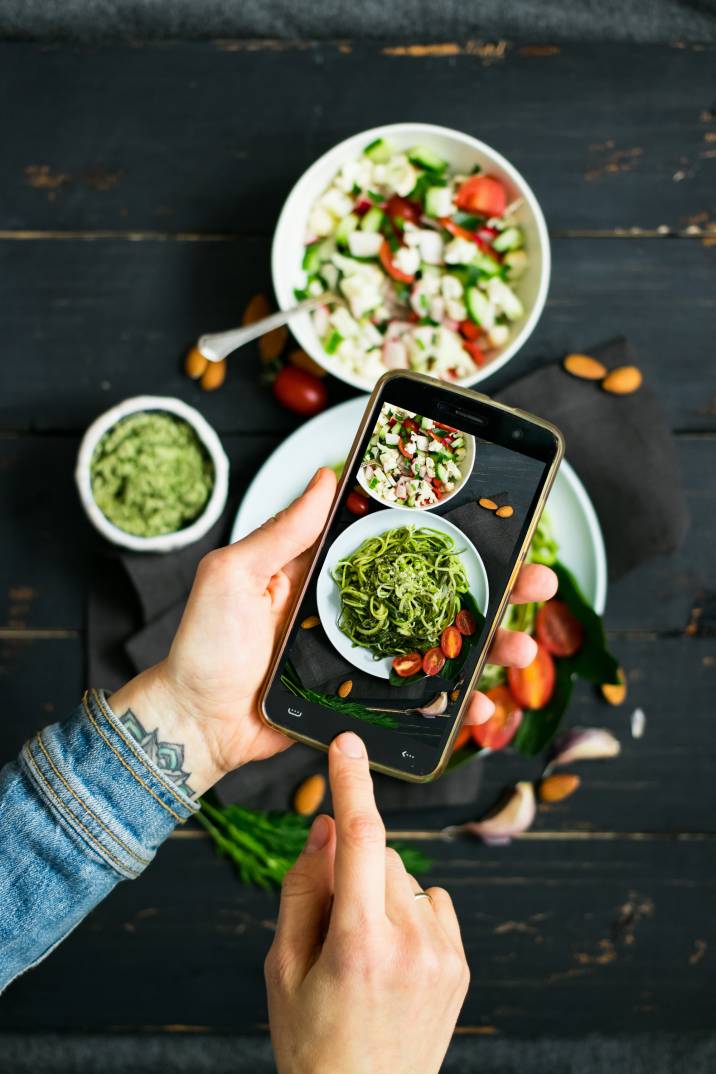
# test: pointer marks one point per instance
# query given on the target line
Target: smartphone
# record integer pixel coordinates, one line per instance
(434, 513)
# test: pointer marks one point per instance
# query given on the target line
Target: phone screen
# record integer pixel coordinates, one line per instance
(411, 574)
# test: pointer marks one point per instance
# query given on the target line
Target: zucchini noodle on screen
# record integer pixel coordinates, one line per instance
(400, 590)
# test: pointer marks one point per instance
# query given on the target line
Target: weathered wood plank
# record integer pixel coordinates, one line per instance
(210, 136)
(87, 324)
(561, 939)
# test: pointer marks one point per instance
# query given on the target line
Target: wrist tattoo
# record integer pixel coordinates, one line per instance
(167, 756)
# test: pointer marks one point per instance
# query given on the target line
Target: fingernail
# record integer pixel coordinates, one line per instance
(350, 745)
(313, 480)
(319, 834)
(487, 711)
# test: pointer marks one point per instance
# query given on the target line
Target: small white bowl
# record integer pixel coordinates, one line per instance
(165, 542)
(466, 465)
(462, 152)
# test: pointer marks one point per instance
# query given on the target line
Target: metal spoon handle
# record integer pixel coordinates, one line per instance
(218, 345)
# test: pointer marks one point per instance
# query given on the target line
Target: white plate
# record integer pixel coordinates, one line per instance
(327, 593)
(326, 440)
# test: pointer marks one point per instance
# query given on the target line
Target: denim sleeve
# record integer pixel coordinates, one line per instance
(82, 808)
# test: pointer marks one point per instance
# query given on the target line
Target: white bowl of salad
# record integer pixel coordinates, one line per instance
(434, 244)
(413, 461)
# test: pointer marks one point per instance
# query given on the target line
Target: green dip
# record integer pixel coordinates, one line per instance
(151, 474)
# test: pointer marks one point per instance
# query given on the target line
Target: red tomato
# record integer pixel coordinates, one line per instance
(558, 629)
(458, 231)
(357, 503)
(475, 351)
(451, 642)
(402, 449)
(407, 664)
(465, 622)
(502, 726)
(386, 258)
(404, 207)
(482, 194)
(469, 330)
(300, 391)
(464, 735)
(410, 425)
(487, 234)
(433, 661)
(533, 686)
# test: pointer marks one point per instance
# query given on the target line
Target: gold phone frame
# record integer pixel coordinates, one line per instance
(460, 393)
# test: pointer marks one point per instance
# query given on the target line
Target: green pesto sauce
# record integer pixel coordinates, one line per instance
(151, 474)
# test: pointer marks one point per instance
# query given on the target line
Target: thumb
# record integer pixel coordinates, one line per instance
(306, 900)
(271, 547)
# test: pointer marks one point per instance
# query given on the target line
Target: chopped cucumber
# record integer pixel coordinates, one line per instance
(347, 224)
(379, 151)
(516, 264)
(442, 473)
(485, 263)
(315, 253)
(457, 442)
(479, 308)
(333, 342)
(373, 220)
(426, 158)
(509, 239)
(438, 201)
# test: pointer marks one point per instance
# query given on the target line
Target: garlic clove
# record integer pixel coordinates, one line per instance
(511, 816)
(436, 707)
(583, 744)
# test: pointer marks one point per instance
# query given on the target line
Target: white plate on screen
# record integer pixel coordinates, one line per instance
(326, 439)
(327, 592)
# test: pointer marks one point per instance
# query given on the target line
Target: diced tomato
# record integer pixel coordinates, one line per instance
(462, 232)
(386, 259)
(482, 194)
(357, 503)
(558, 629)
(410, 425)
(475, 351)
(465, 622)
(533, 686)
(405, 208)
(438, 439)
(402, 449)
(502, 726)
(362, 206)
(451, 642)
(464, 735)
(470, 330)
(487, 234)
(433, 661)
(407, 664)
(447, 428)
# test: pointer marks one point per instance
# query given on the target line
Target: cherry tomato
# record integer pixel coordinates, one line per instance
(433, 661)
(402, 449)
(464, 735)
(533, 686)
(300, 391)
(502, 726)
(407, 664)
(451, 642)
(469, 330)
(558, 629)
(465, 622)
(386, 259)
(482, 194)
(475, 351)
(405, 208)
(357, 503)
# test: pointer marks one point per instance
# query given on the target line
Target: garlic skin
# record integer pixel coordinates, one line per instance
(583, 744)
(513, 815)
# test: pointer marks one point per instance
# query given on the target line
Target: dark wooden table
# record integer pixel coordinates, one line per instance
(138, 191)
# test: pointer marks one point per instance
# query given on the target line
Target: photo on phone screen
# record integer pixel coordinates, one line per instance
(409, 579)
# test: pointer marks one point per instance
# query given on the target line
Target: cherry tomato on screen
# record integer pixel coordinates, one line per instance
(502, 726)
(407, 664)
(433, 661)
(404, 208)
(300, 391)
(533, 686)
(482, 194)
(451, 642)
(465, 622)
(558, 629)
(357, 503)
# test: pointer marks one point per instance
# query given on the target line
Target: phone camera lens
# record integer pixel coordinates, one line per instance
(517, 434)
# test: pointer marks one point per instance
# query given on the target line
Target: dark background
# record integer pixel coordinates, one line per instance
(139, 184)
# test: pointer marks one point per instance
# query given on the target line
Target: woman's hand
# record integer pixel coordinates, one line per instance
(363, 978)
(204, 696)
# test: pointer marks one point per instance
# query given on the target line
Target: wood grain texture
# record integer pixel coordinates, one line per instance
(208, 137)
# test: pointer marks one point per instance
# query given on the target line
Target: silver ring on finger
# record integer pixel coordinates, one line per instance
(423, 895)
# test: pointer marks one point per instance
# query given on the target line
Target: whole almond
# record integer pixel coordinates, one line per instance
(195, 363)
(299, 358)
(257, 307)
(505, 512)
(272, 343)
(556, 788)
(213, 376)
(581, 365)
(615, 692)
(489, 505)
(345, 688)
(623, 380)
(309, 622)
(309, 795)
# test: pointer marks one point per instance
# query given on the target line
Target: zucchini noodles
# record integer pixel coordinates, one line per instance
(399, 591)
